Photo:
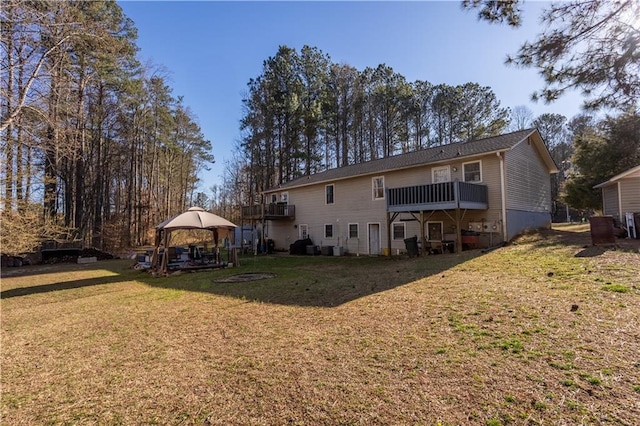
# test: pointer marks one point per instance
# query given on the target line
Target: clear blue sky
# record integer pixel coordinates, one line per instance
(211, 49)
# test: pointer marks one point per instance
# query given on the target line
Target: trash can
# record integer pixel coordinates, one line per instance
(411, 244)
(271, 246)
(601, 230)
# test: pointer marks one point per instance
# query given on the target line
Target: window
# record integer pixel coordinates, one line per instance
(303, 231)
(274, 198)
(284, 197)
(472, 172)
(328, 194)
(378, 187)
(398, 231)
(441, 174)
(353, 230)
(328, 230)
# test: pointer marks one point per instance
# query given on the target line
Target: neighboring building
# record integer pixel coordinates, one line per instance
(621, 194)
(497, 187)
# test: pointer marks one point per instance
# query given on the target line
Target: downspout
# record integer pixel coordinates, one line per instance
(503, 193)
(619, 201)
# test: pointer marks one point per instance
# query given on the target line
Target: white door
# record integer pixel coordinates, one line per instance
(303, 231)
(374, 238)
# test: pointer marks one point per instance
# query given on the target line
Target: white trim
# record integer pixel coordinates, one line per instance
(333, 194)
(463, 172)
(404, 231)
(324, 231)
(357, 230)
(619, 176)
(300, 227)
(373, 188)
(503, 195)
(620, 212)
(433, 169)
(369, 237)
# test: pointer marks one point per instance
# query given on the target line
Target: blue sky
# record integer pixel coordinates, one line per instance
(211, 49)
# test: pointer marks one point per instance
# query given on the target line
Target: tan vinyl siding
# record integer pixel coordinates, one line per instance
(610, 201)
(353, 203)
(528, 181)
(630, 192)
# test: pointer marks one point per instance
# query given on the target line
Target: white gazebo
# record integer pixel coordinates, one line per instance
(194, 218)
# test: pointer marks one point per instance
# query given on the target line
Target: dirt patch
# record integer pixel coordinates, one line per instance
(241, 278)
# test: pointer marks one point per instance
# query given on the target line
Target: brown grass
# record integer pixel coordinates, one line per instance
(545, 331)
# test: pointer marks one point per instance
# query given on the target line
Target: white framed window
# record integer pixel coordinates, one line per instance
(354, 231)
(303, 231)
(472, 171)
(441, 174)
(328, 194)
(284, 197)
(274, 198)
(399, 230)
(328, 230)
(377, 185)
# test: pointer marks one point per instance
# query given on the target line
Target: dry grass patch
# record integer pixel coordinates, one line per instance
(525, 334)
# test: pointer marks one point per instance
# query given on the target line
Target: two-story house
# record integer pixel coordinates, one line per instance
(477, 193)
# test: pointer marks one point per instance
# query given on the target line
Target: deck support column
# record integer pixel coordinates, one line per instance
(458, 232)
(389, 219)
(423, 240)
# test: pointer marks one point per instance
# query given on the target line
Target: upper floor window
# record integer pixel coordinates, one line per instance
(274, 198)
(328, 194)
(441, 174)
(284, 197)
(378, 187)
(353, 230)
(398, 231)
(472, 172)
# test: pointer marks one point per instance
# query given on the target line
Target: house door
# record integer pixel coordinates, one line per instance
(434, 231)
(374, 238)
(303, 231)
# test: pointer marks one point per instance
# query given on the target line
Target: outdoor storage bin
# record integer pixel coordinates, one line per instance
(411, 244)
(601, 230)
(327, 250)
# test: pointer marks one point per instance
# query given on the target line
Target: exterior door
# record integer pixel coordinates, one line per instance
(374, 238)
(434, 231)
(303, 231)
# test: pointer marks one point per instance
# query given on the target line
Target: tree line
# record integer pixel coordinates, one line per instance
(95, 146)
(304, 114)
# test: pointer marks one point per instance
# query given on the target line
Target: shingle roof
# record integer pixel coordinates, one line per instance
(631, 171)
(416, 158)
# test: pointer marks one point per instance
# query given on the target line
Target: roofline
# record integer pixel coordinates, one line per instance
(618, 177)
(302, 185)
(544, 151)
(540, 145)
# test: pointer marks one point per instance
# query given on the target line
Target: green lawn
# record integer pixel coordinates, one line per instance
(544, 331)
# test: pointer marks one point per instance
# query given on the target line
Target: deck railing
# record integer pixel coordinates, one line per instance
(269, 211)
(444, 195)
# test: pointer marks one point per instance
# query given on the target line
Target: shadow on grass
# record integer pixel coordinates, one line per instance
(314, 281)
(67, 285)
(299, 280)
